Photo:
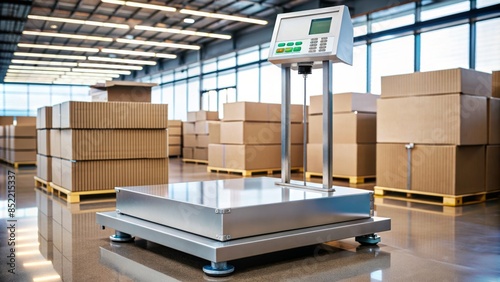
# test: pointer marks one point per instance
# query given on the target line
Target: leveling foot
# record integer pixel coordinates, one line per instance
(218, 269)
(121, 237)
(368, 240)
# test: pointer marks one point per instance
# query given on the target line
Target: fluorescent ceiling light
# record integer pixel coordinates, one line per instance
(124, 72)
(141, 5)
(38, 68)
(188, 20)
(73, 21)
(160, 44)
(53, 56)
(109, 66)
(48, 63)
(28, 81)
(34, 71)
(64, 35)
(58, 47)
(85, 77)
(13, 75)
(112, 75)
(222, 16)
(125, 61)
(138, 53)
(183, 31)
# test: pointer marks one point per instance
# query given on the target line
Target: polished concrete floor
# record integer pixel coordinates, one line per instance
(57, 241)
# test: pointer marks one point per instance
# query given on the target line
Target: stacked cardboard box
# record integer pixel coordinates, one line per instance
(44, 157)
(98, 146)
(19, 154)
(20, 144)
(354, 135)
(250, 137)
(196, 134)
(444, 114)
(493, 147)
(122, 91)
(174, 138)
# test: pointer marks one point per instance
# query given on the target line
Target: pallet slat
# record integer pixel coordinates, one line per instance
(195, 161)
(352, 179)
(42, 184)
(18, 164)
(246, 173)
(435, 198)
(76, 197)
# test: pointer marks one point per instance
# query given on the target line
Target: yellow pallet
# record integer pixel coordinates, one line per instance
(42, 184)
(195, 161)
(352, 179)
(245, 173)
(435, 198)
(18, 164)
(75, 197)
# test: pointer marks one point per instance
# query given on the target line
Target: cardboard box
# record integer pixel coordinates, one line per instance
(123, 115)
(255, 157)
(206, 115)
(113, 144)
(495, 87)
(2, 131)
(449, 81)
(174, 150)
(244, 132)
(214, 133)
(2, 142)
(439, 169)
(57, 171)
(494, 121)
(175, 131)
(188, 128)
(22, 143)
(26, 121)
(348, 128)
(44, 118)
(201, 127)
(55, 142)
(216, 155)
(441, 119)
(202, 141)
(3, 154)
(21, 131)
(191, 116)
(492, 168)
(56, 116)
(252, 111)
(44, 167)
(345, 103)
(108, 174)
(174, 123)
(122, 91)
(348, 159)
(201, 154)
(6, 120)
(43, 142)
(174, 140)
(188, 153)
(28, 156)
(189, 140)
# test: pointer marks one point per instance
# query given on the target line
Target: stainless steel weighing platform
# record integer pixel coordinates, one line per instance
(223, 220)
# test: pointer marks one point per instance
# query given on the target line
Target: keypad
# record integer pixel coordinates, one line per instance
(288, 47)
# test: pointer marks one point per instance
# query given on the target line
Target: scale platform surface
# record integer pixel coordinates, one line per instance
(221, 220)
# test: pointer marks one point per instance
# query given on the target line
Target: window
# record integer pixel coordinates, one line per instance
(209, 66)
(347, 78)
(264, 51)
(193, 70)
(168, 77)
(441, 9)
(227, 61)
(227, 79)
(270, 88)
(156, 95)
(484, 3)
(394, 17)
(180, 74)
(359, 26)
(16, 103)
(248, 84)
(391, 57)
(180, 111)
(314, 86)
(168, 98)
(488, 44)
(209, 82)
(248, 55)
(193, 95)
(445, 48)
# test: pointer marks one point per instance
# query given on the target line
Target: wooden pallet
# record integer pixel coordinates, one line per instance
(249, 172)
(18, 164)
(435, 198)
(42, 184)
(352, 179)
(195, 161)
(76, 197)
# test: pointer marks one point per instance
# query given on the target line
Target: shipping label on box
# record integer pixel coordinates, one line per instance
(449, 81)
(348, 159)
(239, 132)
(122, 115)
(442, 119)
(113, 144)
(348, 128)
(438, 169)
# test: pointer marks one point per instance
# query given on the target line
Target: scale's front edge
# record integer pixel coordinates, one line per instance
(217, 251)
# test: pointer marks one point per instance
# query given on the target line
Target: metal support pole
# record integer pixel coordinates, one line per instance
(285, 125)
(304, 148)
(409, 147)
(327, 125)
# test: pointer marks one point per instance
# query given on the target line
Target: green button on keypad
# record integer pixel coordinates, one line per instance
(281, 44)
(287, 50)
(289, 44)
(298, 43)
(297, 49)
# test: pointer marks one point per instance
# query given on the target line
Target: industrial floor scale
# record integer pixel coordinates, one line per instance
(224, 220)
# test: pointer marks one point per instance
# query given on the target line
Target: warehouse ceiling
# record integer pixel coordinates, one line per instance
(54, 41)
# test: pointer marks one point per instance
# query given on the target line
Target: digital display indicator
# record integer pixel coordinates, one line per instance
(319, 26)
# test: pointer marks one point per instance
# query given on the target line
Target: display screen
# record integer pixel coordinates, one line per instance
(320, 26)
